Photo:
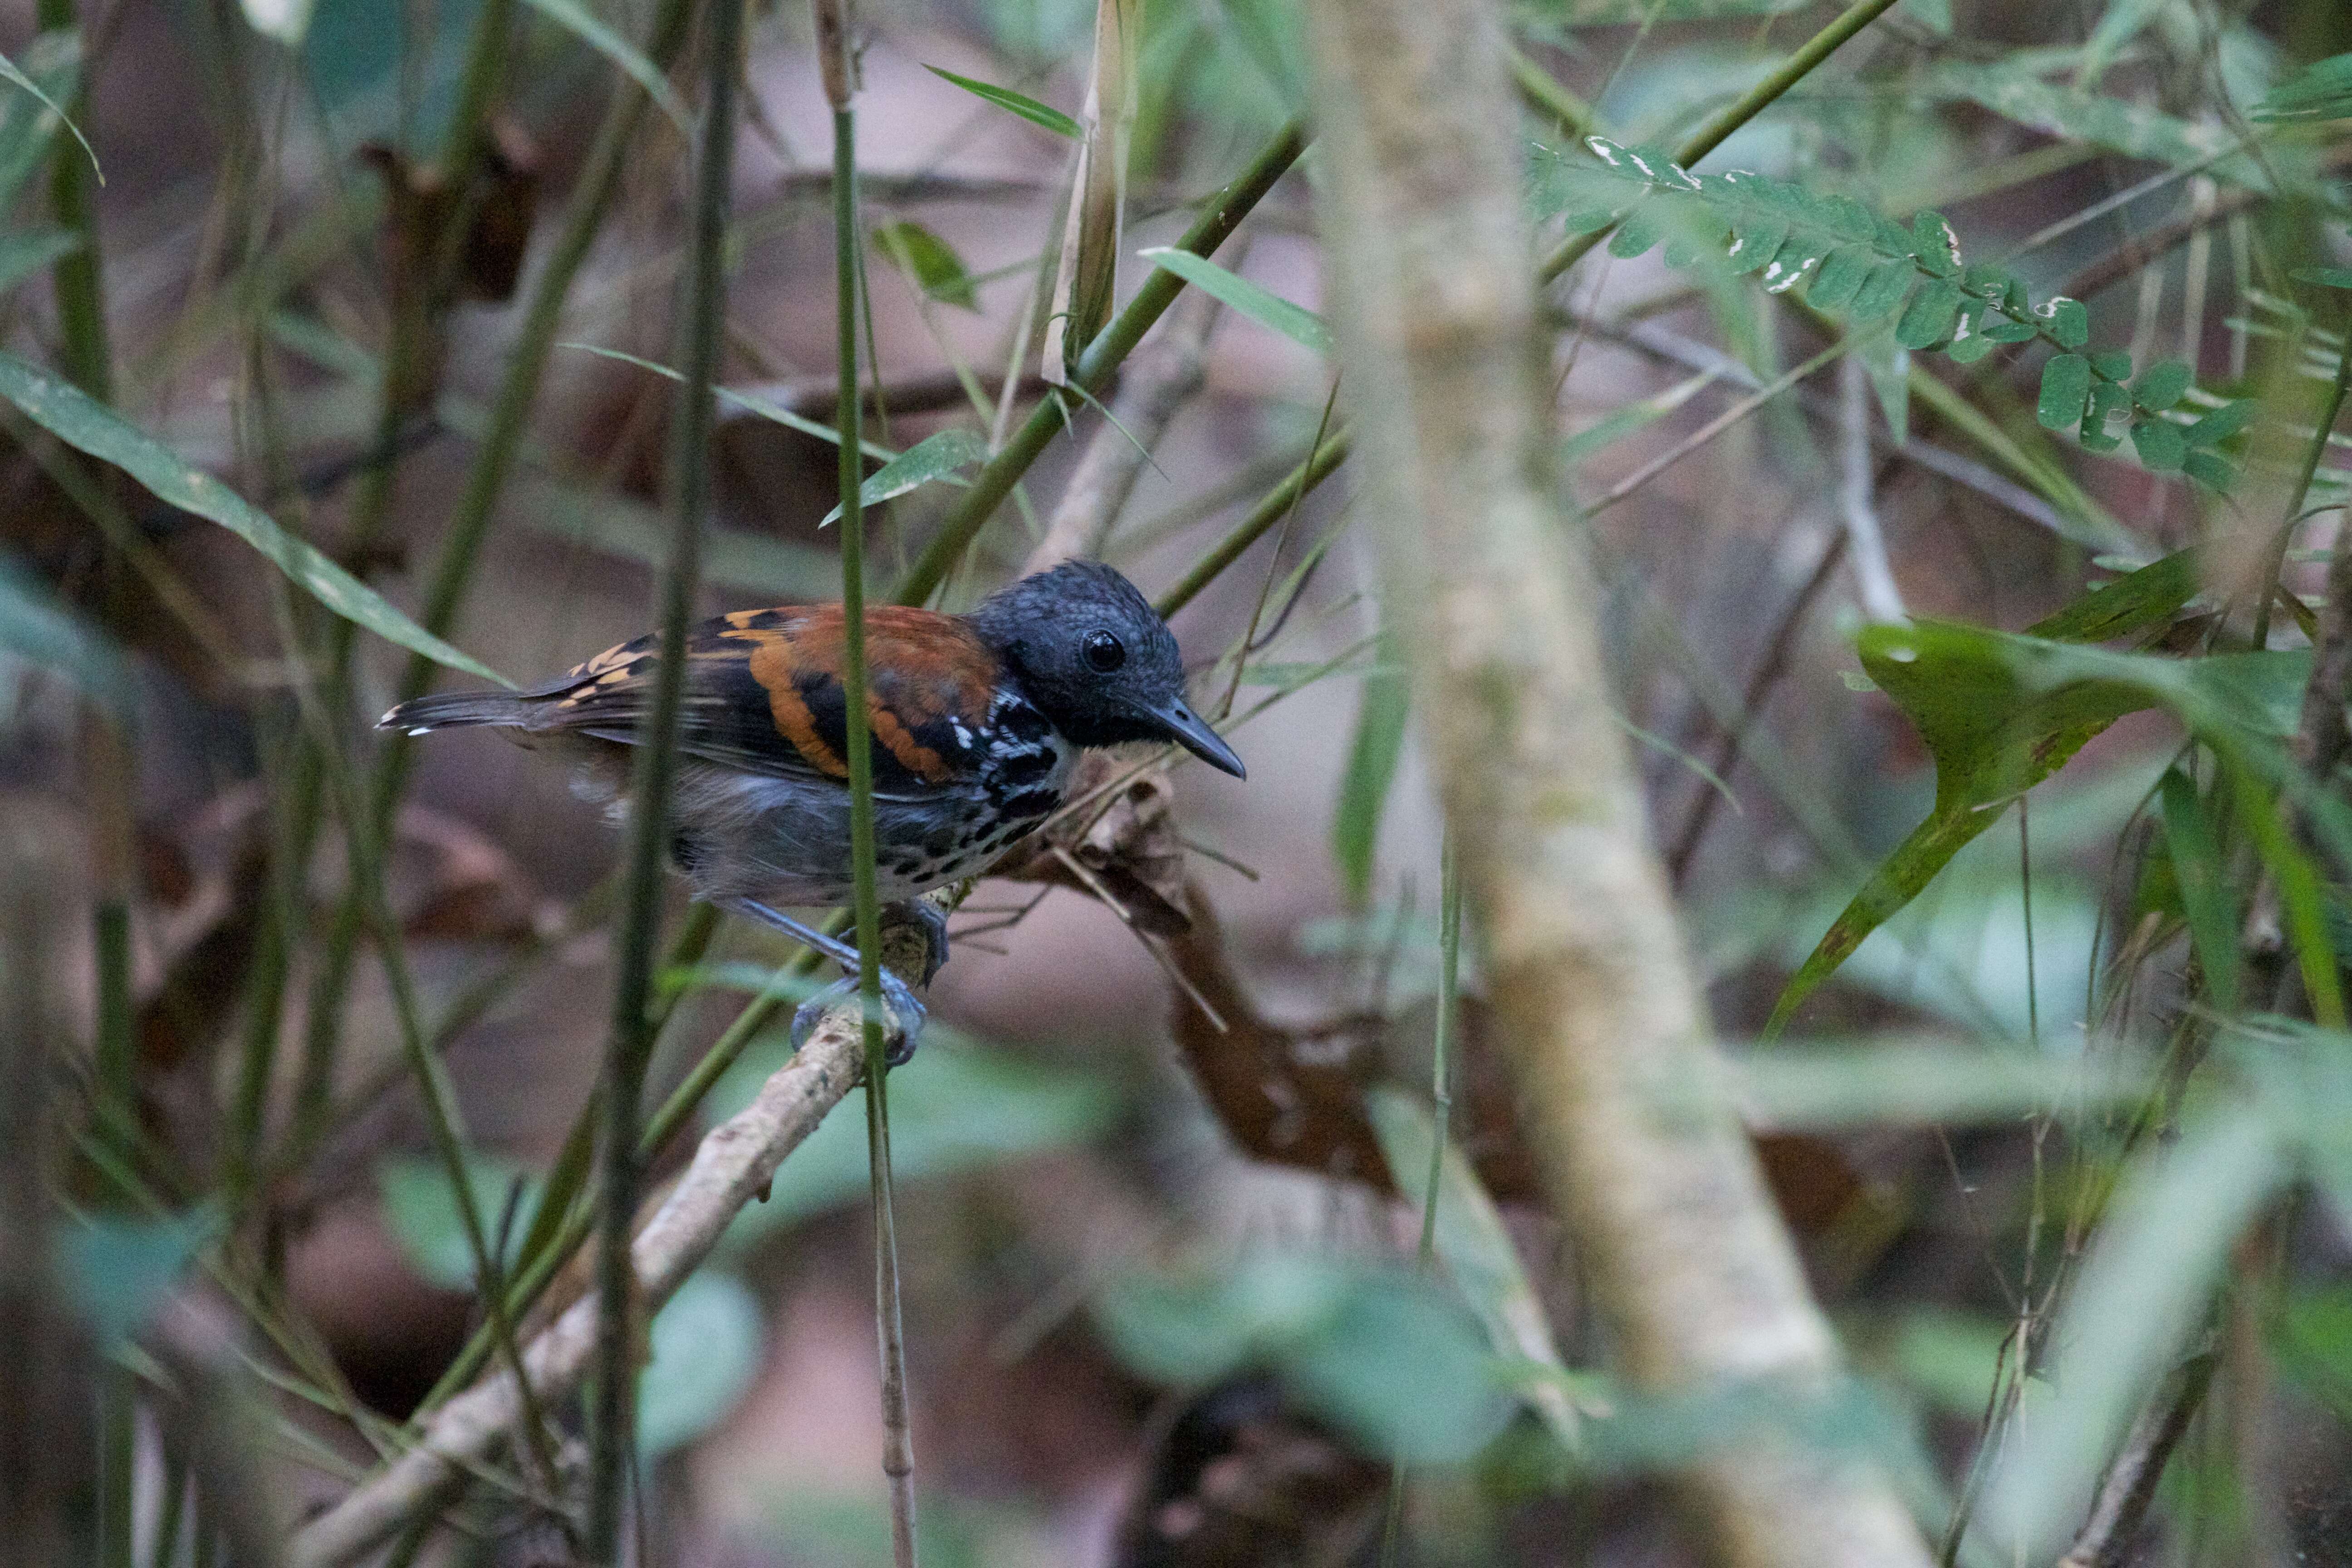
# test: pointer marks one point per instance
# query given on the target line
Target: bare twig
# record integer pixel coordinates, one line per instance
(731, 1166)
(1873, 574)
(1667, 344)
(1731, 737)
(1589, 977)
(2129, 1485)
(1712, 428)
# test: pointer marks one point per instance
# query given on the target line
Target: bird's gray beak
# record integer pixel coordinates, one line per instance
(1187, 729)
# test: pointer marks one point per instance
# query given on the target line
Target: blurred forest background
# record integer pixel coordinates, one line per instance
(1974, 441)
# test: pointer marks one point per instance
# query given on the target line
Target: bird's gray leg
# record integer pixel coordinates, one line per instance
(908, 1012)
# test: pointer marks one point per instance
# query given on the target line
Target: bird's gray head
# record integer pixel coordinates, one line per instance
(1097, 661)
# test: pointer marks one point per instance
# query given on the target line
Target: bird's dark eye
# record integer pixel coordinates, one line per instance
(1104, 652)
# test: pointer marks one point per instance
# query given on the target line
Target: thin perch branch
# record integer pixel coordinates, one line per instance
(2129, 1485)
(731, 1166)
(1638, 1143)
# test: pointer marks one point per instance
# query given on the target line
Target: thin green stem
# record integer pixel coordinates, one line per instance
(1751, 103)
(494, 460)
(1277, 503)
(1441, 1093)
(543, 1255)
(612, 1432)
(420, 304)
(2330, 410)
(118, 1465)
(898, 1450)
(1096, 366)
(80, 293)
(106, 757)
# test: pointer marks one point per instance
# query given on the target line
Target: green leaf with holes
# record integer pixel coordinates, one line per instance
(2065, 390)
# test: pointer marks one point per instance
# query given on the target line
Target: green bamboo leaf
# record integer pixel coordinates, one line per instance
(2160, 444)
(1620, 423)
(24, 255)
(2321, 90)
(934, 458)
(1888, 363)
(583, 24)
(1478, 1252)
(2205, 895)
(67, 413)
(2065, 390)
(2123, 21)
(929, 261)
(2212, 471)
(1364, 787)
(1818, 1086)
(1027, 107)
(2130, 604)
(9, 72)
(38, 627)
(2149, 1275)
(745, 401)
(1299, 324)
(2015, 94)
(2325, 277)
(27, 124)
(1999, 712)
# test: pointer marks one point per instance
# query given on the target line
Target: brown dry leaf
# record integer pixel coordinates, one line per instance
(1286, 1098)
(1127, 845)
(422, 205)
(453, 883)
(1239, 1477)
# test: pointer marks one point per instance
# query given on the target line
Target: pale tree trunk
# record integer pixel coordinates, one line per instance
(1433, 281)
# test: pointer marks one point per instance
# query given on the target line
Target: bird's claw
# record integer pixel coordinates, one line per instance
(904, 1015)
(933, 920)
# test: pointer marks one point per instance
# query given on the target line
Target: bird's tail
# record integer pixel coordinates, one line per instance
(456, 711)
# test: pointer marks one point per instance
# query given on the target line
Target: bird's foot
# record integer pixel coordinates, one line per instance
(903, 1015)
(933, 920)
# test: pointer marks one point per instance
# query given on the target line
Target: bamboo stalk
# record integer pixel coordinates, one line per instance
(839, 69)
(1604, 1021)
(1097, 364)
(613, 1426)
